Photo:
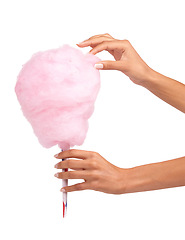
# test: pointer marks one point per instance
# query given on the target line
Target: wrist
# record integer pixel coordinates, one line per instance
(132, 181)
(150, 78)
(143, 76)
(137, 180)
(127, 180)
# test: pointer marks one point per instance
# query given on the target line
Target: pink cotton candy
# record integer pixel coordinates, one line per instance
(57, 90)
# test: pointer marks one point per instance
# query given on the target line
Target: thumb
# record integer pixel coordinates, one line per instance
(108, 65)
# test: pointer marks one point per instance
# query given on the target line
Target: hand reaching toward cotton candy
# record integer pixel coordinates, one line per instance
(127, 59)
(131, 64)
(57, 90)
(97, 172)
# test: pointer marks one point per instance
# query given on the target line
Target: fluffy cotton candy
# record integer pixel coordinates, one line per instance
(57, 90)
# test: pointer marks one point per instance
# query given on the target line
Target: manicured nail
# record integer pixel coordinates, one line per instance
(55, 166)
(81, 43)
(56, 175)
(98, 65)
(90, 53)
(62, 190)
(56, 155)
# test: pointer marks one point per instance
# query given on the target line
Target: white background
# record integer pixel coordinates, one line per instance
(129, 127)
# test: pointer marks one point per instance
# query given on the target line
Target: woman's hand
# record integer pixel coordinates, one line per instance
(97, 172)
(127, 59)
(100, 175)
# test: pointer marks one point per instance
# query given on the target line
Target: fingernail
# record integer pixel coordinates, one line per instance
(98, 65)
(56, 155)
(56, 175)
(81, 43)
(55, 166)
(62, 190)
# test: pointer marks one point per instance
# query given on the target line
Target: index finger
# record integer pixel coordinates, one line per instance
(108, 45)
(106, 35)
(94, 41)
(73, 153)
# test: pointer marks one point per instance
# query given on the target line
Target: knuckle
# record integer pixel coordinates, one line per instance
(107, 65)
(71, 151)
(94, 164)
(126, 42)
(91, 154)
(91, 42)
(68, 174)
(103, 45)
(95, 154)
(106, 43)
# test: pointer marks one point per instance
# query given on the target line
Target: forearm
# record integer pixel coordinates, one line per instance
(155, 176)
(167, 89)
